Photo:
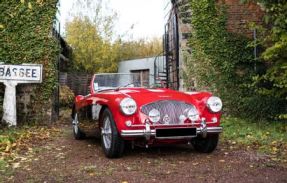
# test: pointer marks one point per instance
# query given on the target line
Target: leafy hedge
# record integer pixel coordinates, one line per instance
(26, 37)
(66, 96)
(222, 62)
(273, 39)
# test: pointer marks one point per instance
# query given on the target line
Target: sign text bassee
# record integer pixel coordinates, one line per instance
(21, 73)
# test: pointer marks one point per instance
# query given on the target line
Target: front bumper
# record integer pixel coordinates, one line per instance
(148, 133)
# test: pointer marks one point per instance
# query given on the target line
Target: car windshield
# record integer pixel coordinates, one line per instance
(118, 80)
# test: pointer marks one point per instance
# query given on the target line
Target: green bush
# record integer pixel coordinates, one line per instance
(273, 39)
(66, 96)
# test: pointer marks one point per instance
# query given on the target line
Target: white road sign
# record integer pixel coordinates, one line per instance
(28, 73)
(11, 75)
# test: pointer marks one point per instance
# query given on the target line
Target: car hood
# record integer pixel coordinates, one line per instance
(144, 96)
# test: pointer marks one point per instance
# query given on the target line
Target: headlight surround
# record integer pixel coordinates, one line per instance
(154, 115)
(214, 104)
(193, 114)
(128, 106)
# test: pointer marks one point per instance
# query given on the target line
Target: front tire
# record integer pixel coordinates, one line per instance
(78, 134)
(112, 143)
(205, 145)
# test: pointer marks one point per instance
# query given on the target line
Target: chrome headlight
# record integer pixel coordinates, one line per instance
(193, 114)
(128, 106)
(214, 104)
(154, 115)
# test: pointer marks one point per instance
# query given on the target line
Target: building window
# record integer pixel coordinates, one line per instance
(143, 76)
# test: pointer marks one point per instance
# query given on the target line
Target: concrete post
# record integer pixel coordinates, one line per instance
(9, 103)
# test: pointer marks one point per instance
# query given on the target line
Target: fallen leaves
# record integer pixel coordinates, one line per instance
(13, 141)
(30, 5)
(15, 165)
(222, 161)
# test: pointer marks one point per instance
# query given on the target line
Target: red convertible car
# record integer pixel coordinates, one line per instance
(121, 111)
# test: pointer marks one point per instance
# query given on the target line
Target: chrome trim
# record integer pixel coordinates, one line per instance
(172, 108)
(203, 127)
(164, 125)
(218, 129)
(148, 133)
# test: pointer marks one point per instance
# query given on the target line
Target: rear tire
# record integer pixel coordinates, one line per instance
(112, 143)
(205, 145)
(78, 134)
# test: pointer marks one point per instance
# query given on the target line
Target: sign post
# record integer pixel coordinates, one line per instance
(11, 75)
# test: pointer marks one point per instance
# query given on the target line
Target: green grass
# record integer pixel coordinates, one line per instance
(8, 136)
(5, 171)
(267, 137)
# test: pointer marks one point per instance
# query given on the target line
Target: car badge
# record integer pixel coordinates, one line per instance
(166, 119)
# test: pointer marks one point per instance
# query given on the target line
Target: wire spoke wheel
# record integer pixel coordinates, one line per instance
(112, 143)
(107, 133)
(75, 124)
(78, 134)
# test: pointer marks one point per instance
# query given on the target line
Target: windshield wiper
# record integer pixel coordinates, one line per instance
(124, 86)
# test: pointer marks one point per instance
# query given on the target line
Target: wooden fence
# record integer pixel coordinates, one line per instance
(78, 82)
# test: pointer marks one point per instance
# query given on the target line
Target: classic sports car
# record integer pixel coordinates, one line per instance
(121, 111)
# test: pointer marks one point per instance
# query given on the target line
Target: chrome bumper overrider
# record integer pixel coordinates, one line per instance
(148, 133)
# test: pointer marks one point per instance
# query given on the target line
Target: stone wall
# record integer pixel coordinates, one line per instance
(184, 32)
(27, 111)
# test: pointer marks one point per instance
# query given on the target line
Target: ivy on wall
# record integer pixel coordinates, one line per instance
(222, 62)
(26, 37)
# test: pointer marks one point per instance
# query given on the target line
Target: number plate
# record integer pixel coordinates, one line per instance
(176, 132)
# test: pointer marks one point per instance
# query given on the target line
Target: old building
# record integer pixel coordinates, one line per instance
(145, 68)
(178, 30)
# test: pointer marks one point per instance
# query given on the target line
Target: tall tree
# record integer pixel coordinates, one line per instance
(90, 36)
(140, 48)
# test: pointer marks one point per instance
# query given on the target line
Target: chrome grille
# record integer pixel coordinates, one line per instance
(172, 109)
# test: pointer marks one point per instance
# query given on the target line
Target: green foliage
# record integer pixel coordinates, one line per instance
(222, 62)
(26, 37)
(91, 51)
(269, 137)
(90, 35)
(273, 83)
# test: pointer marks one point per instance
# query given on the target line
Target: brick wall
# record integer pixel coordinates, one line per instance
(240, 15)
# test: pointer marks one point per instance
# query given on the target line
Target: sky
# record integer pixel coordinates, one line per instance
(136, 18)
